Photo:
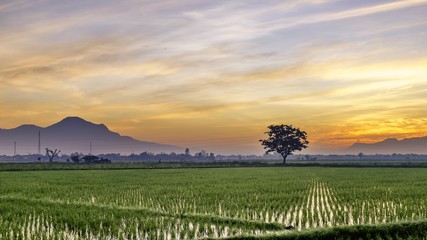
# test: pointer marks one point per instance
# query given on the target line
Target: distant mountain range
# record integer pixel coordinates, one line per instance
(392, 145)
(74, 134)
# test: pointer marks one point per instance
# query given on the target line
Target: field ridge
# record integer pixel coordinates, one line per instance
(152, 212)
(415, 230)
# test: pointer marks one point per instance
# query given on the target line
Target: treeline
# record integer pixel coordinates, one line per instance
(204, 156)
(201, 156)
(89, 159)
(162, 157)
(360, 156)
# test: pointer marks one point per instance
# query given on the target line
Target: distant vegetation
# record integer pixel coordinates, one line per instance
(313, 160)
(53, 155)
(247, 203)
(89, 159)
(222, 164)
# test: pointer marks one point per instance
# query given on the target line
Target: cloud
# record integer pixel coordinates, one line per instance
(217, 72)
(334, 16)
(14, 5)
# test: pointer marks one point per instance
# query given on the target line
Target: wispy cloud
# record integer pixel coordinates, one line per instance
(340, 15)
(215, 73)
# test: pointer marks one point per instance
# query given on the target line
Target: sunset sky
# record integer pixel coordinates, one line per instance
(214, 74)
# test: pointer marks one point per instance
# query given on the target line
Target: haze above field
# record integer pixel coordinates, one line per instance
(214, 74)
(74, 134)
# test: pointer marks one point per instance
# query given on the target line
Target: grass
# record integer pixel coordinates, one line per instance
(166, 165)
(255, 202)
(402, 230)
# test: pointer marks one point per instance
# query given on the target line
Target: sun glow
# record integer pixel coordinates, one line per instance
(214, 75)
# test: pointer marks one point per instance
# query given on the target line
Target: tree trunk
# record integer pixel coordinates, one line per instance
(284, 158)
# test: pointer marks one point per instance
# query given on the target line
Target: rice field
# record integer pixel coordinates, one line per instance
(206, 203)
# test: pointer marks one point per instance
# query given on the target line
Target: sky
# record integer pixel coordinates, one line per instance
(214, 74)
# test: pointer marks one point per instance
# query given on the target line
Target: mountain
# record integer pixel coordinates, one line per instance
(74, 134)
(392, 145)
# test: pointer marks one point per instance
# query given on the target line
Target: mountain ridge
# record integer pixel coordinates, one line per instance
(416, 145)
(75, 134)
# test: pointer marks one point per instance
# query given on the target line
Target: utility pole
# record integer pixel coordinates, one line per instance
(39, 143)
(14, 148)
(90, 149)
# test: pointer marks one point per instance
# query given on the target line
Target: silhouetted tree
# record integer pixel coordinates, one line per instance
(202, 155)
(90, 159)
(75, 158)
(52, 154)
(187, 152)
(284, 139)
(360, 155)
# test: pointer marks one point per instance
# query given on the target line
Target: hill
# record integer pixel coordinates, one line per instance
(392, 145)
(74, 134)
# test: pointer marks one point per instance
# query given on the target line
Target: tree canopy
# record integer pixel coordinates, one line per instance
(284, 139)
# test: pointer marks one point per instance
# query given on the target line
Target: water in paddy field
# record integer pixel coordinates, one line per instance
(201, 203)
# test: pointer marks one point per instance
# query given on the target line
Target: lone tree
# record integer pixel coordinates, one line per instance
(284, 139)
(52, 154)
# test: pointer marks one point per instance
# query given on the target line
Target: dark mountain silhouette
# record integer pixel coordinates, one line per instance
(74, 134)
(392, 145)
